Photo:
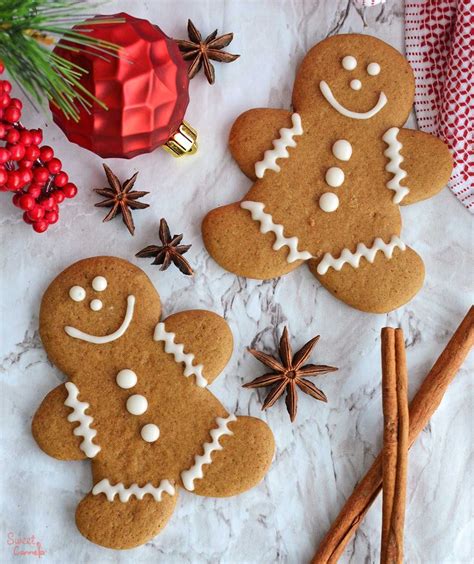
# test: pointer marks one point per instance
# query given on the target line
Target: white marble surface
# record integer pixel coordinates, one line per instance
(328, 449)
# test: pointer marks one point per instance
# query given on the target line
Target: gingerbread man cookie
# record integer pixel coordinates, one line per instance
(330, 176)
(137, 404)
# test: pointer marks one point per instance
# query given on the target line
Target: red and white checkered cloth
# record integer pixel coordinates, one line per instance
(439, 40)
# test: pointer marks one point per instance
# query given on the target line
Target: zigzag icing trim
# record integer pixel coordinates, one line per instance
(267, 225)
(347, 257)
(280, 145)
(124, 493)
(393, 166)
(196, 471)
(177, 350)
(79, 415)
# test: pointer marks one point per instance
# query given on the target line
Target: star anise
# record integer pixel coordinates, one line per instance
(201, 51)
(121, 198)
(170, 251)
(288, 374)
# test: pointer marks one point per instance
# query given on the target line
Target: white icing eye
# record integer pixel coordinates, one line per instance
(77, 293)
(356, 84)
(137, 404)
(150, 432)
(96, 305)
(349, 63)
(329, 202)
(334, 176)
(342, 150)
(373, 69)
(126, 379)
(99, 283)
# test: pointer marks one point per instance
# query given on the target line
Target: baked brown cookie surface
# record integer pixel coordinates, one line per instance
(329, 178)
(136, 402)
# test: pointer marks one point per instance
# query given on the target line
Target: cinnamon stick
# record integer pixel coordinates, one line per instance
(395, 444)
(422, 407)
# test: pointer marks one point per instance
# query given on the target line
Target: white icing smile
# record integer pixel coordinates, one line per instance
(330, 98)
(101, 340)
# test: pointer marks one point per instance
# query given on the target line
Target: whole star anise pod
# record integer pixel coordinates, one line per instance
(288, 374)
(121, 198)
(201, 51)
(170, 251)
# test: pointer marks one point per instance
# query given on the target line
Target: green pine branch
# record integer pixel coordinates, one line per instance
(28, 31)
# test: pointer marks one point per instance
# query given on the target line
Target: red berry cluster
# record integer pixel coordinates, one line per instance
(29, 169)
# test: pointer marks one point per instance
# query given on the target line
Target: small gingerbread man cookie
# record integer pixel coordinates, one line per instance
(330, 176)
(136, 402)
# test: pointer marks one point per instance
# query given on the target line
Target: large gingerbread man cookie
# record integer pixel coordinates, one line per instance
(330, 176)
(136, 402)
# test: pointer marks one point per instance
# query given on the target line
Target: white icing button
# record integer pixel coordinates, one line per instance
(77, 293)
(356, 84)
(96, 305)
(329, 202)
(349, 62)
(99, 283)
(126, 378)
(137, 404)
(342, 150)
(150, 432)
(373, 69)
(334, 176)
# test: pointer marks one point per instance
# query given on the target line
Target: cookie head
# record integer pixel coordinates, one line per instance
(98, 303)
(354, 80)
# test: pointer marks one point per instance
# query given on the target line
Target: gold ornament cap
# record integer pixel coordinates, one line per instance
(183, 142)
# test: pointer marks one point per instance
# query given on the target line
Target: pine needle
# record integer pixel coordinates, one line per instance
(29, 29)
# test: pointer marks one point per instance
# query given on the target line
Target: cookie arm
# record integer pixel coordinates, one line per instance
(51, 429)
(253, 133)
(205, 335)
(427, 162)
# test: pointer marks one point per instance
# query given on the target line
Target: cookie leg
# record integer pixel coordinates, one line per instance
(235, 242)
(120, 525)
(242, 462)
(382, 286)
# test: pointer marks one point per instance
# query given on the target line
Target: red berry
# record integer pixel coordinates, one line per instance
(37, 136)
(59, 195)
(61, 179)
(41, 174)
(25, 163)
(12, 114)
(51, 217)
(70, 190)
(26, 138)
(26, 175)
(4, 100)
(14, 181)
(34, 190)
(2, 67)
(3, 176)
(4, 155)
(16, 199)
(49, 203)
(3, 130)
(13, 136)
(16, 103)
(40, 226)
(32, 152)
(46, 153)
(36, 213)
(26, 219)
(7, 87)
(54, 166)
(26, 202)
(17, 152)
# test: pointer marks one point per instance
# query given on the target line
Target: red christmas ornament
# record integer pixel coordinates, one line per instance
(145, 90)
